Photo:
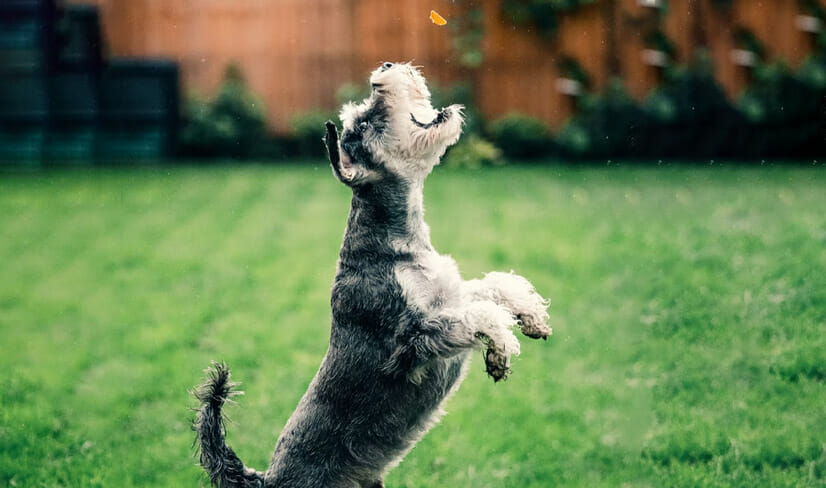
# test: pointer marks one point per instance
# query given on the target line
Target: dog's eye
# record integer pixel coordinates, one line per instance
(363, 126)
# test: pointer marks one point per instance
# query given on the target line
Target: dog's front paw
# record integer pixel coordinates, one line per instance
(534, 325)
(497, 365)
(518, 295)
(494, 327)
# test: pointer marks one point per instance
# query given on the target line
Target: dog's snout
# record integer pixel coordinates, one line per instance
(387, 65)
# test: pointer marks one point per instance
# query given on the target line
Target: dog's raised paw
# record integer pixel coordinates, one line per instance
(533, 326)
(497, 365)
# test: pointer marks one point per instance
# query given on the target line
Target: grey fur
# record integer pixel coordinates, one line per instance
(403, 321)
(219, 460)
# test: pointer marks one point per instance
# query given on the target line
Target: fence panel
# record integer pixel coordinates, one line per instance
(296, 53)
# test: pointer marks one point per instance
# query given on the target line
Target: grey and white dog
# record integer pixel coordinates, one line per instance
(404, 322)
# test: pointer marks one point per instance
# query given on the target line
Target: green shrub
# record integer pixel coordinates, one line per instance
(608, 125)
(233, 124)
(542, 15)
(784, 111)
(307, 129)
(574, 139)
(473, 152)
(813, 72)
(689, 115)
(521, 136)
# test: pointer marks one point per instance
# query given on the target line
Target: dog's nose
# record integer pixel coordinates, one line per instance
(387, 65)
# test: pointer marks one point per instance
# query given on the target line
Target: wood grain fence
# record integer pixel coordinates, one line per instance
(295, 54)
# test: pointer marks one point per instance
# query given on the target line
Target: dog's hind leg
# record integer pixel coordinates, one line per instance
(516, 294)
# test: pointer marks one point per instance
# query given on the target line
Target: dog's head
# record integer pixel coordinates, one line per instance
(395, 131)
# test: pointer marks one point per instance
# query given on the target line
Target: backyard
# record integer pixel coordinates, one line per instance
(688, 307)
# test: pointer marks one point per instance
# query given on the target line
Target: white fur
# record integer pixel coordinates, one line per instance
(407, 149)
(512, 291)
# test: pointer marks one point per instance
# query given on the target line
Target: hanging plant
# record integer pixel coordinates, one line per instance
(468, 27)
(570, 68)
(659, 41)
(746, 39)
(543, 15)
(722, 4)
(468, 31)
(814, 9)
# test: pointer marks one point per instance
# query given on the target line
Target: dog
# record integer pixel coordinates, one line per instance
(404, 323)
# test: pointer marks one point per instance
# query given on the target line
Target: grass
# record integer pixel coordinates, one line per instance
(689, 309)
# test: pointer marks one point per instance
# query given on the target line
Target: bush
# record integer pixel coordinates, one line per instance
(690, 116)
(574, 139)
(784, 111)
(521, 137)
(607, 125)
(231, 125)
(307, 129)
(473, 152)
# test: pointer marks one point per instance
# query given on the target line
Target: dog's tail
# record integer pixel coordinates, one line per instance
(219, 460)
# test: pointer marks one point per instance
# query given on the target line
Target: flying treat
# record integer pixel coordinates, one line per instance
(436, 18)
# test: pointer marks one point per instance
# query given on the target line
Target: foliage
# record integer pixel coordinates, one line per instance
(657, 40)
(543, 15)
(307, 129)
(467, 29)
(473, 151)
(813, 72)
(747, 40)
(570, 68)
(722, 4)
(233, 124)
(818, 11)
(606, 125)
(521, 137)
(689, 115)
(785, 110)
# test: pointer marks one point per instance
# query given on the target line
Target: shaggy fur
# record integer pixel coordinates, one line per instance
(403, 321)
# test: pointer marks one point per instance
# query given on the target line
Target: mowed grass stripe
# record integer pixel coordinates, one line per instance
(103, 333)
(91, 255)
(151, 412)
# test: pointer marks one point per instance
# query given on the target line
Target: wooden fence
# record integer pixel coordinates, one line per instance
(295, 54)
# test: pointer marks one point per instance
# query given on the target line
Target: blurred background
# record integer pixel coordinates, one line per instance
(655, 167)
(101, 80)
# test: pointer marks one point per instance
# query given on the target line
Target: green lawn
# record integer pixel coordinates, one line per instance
(689, 310)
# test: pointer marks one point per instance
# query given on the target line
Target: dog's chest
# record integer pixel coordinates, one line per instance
(430, 282)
